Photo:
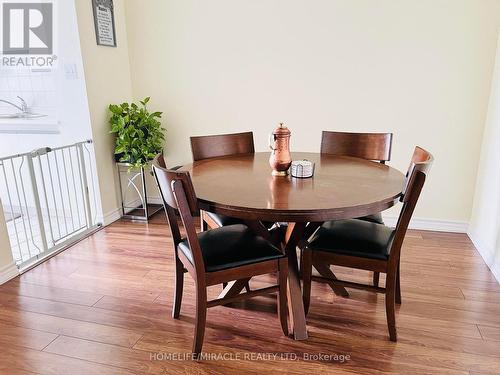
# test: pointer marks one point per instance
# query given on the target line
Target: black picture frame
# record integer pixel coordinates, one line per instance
(104, 22)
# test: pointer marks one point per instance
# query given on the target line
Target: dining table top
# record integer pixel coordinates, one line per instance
(342, 187)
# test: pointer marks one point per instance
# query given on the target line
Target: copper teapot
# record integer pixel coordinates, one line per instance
(279, 142)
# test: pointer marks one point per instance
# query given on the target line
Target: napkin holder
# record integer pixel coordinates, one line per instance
(302, 169)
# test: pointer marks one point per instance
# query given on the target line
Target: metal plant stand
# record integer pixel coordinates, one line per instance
(139, 209)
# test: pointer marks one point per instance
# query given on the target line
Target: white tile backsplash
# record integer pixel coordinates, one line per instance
(37, 88)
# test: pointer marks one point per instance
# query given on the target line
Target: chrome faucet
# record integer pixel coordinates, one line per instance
(23, 108)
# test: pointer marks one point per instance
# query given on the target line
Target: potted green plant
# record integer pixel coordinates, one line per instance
(139, 135)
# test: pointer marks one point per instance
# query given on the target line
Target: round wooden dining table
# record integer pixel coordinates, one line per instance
(342, 188)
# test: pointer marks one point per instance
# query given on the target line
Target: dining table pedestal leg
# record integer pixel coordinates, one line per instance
(295, 305)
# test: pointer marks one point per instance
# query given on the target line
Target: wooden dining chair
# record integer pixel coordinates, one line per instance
(369, 146)
(212, 146)
(230, 254)
(368, 246)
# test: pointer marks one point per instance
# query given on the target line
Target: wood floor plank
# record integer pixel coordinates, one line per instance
(489, 332)
(373, 320)
(69, 327)
(140, 360)
(104, 305)
(127, 359)
(461, 314)
(442, 359)
(117, 260)
(134, 273)
(83, 313)
(13, 371)
(27, 338)
(360, 362)
(51, 293)
(481, 295)
(51, 364)
(91, 285)
(457, 303)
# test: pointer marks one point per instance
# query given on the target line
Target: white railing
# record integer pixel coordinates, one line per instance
(49, 199)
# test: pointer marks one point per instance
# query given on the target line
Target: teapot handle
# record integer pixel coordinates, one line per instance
(271, 141)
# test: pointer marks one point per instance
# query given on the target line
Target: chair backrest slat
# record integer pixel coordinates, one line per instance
(369, 146)
(177, 192)
(211, 146)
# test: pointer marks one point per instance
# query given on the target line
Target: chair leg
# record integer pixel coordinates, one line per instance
(203, 223)
(390, 291)
(306, 268)
(376, 278)
(301, 261)
(325, 271)
(398, 288)
(179, 286)
(282, 295)
(201, 318)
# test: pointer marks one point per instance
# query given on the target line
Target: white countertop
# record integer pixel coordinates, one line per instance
(45, 125)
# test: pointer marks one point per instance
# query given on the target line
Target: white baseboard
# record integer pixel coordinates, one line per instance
(110, 217)
(137, 202)
(431, 224)
(155, 200)
(488, 254)
(8, 272)
(116, 214)
(495, 270)
(453, 226)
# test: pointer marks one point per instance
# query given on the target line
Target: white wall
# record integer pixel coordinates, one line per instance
(108, 81)
(420, 69)
(485, 221)
(8, 268)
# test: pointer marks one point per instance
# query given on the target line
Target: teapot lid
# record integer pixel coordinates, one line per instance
(282, 130)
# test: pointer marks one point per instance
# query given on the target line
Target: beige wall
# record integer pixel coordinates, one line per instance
(485, 220)
(8, 269)
(5, 253)
(107, 76)
(420, 69)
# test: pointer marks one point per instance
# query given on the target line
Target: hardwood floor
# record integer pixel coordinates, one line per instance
(103, 307)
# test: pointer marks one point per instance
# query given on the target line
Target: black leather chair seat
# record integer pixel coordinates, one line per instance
(231, 246)
(223, 220)
(354, 237)
(375, 218)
